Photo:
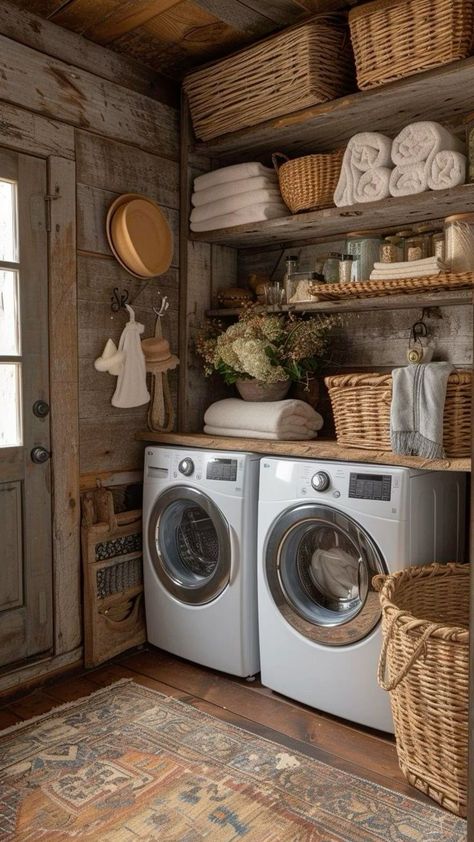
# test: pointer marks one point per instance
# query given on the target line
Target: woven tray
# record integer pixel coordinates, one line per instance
(308, 183)
(373, 289)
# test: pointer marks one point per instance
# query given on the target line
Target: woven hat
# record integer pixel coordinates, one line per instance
(158, 356)
(139, 235)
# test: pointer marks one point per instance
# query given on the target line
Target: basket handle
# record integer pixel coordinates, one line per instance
(276, 156)
(421, 648)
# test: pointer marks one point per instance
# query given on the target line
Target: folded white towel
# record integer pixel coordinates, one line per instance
(266, 416)
(236, 172)
(447, 169)
(409, 179)
(233, 188)
(259, 434)
(395, 276)
(365, 151)
(414, 264)
(255, 213)
(419, 142)
(373, 185)
(234, 203)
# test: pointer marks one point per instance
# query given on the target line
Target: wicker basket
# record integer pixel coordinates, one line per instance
(308, 183)
(361, 407)
(305, 65)
(393, 39)
(425, 665)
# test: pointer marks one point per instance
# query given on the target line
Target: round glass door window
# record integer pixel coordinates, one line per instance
(189, 542)
(319, 568)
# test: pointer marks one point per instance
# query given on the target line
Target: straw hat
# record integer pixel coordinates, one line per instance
(158, 356)
(139, 235)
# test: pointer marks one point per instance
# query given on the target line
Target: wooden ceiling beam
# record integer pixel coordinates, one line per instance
(125, 18)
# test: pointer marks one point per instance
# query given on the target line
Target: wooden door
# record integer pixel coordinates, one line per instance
(25, 484)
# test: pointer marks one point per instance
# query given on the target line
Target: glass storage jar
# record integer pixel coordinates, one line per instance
(364, 248)
(459, 234)
(391, 250)
(438, 245)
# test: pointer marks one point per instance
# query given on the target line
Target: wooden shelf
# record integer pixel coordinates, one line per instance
(445, 93)
(318, 449)
(324, 225)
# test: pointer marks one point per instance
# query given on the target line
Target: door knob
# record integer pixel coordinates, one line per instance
(40, 455)
(40, 409)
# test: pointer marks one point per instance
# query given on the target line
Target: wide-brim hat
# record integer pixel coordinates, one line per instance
(158, 356)
(139, 235)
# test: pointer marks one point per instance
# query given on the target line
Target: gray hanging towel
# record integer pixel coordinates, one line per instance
(416, 421)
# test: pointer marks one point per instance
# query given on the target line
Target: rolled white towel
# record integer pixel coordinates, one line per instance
(234, 203)
(233, 188)
(255, 213)
(235, 432)
(373, 185)
(266, 416)
(447, 169)
(364, 152)
(236, 172)
(409, 179)
(420, 141)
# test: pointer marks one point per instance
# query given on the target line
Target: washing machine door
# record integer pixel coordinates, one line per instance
(319, 566)
(189, 544)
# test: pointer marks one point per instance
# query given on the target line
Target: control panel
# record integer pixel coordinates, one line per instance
(370, 487)
(222, 469)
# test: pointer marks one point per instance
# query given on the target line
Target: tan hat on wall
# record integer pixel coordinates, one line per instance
(139, 235)
(158, 356)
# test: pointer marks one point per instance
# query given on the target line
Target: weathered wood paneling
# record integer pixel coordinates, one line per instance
(26, 132)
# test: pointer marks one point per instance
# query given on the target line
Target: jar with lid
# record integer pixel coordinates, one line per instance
(291, 266)
(438, 246)
(391, 250)
(300, 286)
(345, 268)
(425, 231)
(415, 246)
(331, 267)
(459, 234)
(403, 236)
(364, 248)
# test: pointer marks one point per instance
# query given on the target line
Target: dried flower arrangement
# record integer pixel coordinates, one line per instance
(267, 347)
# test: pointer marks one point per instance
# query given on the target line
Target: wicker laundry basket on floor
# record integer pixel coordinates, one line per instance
(424, 665)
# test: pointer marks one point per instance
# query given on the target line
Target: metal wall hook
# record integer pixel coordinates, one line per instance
(164, 306)
(118, 299)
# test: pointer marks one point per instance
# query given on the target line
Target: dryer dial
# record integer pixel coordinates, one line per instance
(321, 481)
(186, 467)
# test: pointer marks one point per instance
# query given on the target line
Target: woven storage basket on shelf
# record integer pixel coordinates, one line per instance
(393, 39)
(425, 665)
(306, 64)
(361, 407)
(308, 183)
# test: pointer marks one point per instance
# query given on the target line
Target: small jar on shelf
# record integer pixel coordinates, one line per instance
(291, 267)
(438, 245)
(391, 250)
(345, 268)
(415, 247)
(364, 248)
(331, 267)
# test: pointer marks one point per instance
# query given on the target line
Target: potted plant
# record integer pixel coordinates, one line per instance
(263, 354)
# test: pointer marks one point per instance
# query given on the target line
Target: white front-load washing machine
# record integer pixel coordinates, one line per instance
(200, 556)
(325, 529)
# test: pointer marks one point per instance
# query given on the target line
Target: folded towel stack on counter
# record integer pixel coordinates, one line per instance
(287, 420)
(408, 269)
(427, 157)
(235, 195)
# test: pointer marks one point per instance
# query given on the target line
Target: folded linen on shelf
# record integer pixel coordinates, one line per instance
(408, 269)
(447, 169)
(408, 179)
(373, 185)
(365, 151)
(254, 213)
(235, 172)
(234, 203)
(233, 188)
(421, 141)
(417, 410)
(288, 435)
(264, 416)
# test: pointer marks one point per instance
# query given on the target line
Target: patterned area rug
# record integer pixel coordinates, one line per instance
(128, 764)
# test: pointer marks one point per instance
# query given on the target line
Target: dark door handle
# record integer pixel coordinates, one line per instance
(40, 455)
(41, 409)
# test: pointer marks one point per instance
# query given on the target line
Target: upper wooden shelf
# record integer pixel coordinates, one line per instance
(318, 449)
(323, 225)
(445, 93)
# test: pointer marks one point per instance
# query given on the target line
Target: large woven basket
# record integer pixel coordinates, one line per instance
(308, 183)
(305, 65)
(424, 665)
(361, 407)
(393, 39)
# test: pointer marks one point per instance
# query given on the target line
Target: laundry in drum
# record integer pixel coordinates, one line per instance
(197, 541)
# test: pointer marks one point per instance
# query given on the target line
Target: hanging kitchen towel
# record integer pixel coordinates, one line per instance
(131, 382)
(417, 411)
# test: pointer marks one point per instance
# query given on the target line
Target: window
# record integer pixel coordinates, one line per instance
(10, 336)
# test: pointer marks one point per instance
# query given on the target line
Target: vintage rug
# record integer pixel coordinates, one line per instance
(128, 764)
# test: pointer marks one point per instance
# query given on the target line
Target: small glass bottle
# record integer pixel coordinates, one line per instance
(331, 267)
(415, 247)
(345, 268)
(391, 250)
(291, 267)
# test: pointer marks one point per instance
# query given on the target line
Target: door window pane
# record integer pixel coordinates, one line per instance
(9, 314)
(8, 221)
(10, 403)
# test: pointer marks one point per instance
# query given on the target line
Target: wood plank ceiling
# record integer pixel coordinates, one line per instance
(171, 36)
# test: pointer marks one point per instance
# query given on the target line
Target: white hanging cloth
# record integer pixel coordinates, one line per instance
(131, 382)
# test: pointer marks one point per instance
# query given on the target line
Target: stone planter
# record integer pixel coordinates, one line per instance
(256, 390)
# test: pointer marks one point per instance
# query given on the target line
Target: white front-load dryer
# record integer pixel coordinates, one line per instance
(200, 556)
(325, 529)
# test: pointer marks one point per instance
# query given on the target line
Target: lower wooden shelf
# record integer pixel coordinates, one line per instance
(317, 449)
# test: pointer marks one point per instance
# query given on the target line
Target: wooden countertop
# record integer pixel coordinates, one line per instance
(317, 449)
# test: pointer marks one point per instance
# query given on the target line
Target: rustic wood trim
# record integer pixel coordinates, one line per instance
(470, 787)
(35, 673)
(65, 405)
(89, 482)
(184, 205)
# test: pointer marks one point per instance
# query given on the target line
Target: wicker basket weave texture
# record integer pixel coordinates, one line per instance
(308, 183)
(393, 39)
(425, 666)
(305, 65)
(361, 407)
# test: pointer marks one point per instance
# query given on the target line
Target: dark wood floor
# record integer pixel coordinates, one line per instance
(369, 754)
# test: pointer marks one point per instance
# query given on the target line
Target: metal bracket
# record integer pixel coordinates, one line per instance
(49, 198)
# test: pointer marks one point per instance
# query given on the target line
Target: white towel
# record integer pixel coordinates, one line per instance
(373, 185)
(236, 172)
(409, 179)
(419, 142)
(296, 435)
(422, 263)
(365, 151)
(234, 203)
(409, 269)
(447, 169)
(265, 416)
(416, 419)
(233, 188)
(255, 213)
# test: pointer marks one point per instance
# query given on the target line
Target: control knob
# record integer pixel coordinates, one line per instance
(321, 481)
(186, 467)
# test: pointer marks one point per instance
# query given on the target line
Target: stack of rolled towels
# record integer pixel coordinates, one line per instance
(286, 420)
(365, 171)
(235, 195)
(408, 269)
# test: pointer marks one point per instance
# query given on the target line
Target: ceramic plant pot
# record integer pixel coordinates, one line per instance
(257, 390)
